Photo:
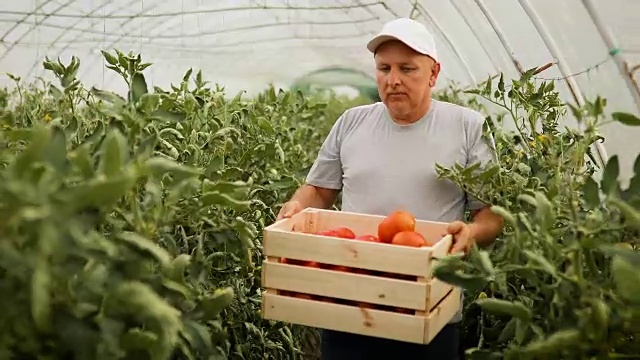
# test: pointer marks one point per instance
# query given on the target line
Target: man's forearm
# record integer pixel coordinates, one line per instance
(311, 196)
(486, 226)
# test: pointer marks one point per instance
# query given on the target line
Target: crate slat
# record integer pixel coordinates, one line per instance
(355, 287)
(353, 253)
(349, 286)
(376, 323)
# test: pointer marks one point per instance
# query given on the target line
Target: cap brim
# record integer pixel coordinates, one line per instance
(378, 40)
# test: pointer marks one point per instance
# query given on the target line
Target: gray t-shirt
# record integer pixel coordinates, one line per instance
(380, 165)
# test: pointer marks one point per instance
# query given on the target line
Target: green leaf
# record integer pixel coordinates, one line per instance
(544, 210)
(445, 270)
(55, 92)
(215, 164)
(489, 172)
(39, 137)
(110, 58)
(540, 261)
(266, 125)
(138, 87)
(140, 302)
(113, 153)
(627, 279)
(515, 309)
(246, 231)
(168, 116)
(509, 331)
(82, 160)
(138, 339)
(214, 198)
(505, 214)
(226, 133)
(553, 345)
(149, 102)
(622, 250)
(214, 303)
(175, 270)
(171, 131)
(108, 96)
(77, 334)
(485, 262)
(56, 150)
(146, 247)
(40, 294)
(159, 166)
(591, 194)
(609, 182)
(234, 188)
(199, 337)
(631, 215)
(626, 118)
(177, 288)
(100, 193)
(528, 199)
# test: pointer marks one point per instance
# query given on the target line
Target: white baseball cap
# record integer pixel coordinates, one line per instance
(412, 33)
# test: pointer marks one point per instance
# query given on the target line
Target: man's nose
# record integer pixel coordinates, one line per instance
(393, 78)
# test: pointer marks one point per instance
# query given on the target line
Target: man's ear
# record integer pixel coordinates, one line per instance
(435, 71)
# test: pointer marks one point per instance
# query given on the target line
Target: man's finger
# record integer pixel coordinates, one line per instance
(283, 213)
(455, 227)
(288, 213)
(456, 248)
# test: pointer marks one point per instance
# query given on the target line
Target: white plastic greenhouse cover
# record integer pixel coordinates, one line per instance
(244, 45)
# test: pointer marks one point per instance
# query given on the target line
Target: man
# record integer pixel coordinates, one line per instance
(382, 157)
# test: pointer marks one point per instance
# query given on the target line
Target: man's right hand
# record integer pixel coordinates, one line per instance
(289, 209)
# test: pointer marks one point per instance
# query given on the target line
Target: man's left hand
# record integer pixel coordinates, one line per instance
(462, 237)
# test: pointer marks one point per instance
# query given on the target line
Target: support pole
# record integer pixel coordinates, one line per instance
(607, 37)
(555, 51)
(494, 24)
(564, 70)
(475, 34)
(438, 28)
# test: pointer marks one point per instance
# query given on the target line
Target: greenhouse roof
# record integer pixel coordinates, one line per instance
(590, 47)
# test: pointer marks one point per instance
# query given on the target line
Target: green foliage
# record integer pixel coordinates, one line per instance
(131, 225)
(562, 280)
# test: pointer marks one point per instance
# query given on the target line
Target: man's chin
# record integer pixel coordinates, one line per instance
(397, 108)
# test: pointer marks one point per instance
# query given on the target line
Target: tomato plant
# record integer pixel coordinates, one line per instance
(557, 283)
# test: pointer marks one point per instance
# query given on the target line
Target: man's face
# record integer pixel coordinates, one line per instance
(405, 79)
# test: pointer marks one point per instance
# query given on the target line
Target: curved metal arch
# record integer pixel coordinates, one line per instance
(448, 40)
(475, 34)
(142, 11)
(503, 40)
(562, 66)
(51, 45)
(608, 39)
(554, 50)
(34, 14)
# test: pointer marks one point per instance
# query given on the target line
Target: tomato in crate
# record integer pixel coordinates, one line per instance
(358, 275)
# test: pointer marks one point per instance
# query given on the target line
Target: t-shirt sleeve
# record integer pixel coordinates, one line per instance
(481, 148)
(326, 171)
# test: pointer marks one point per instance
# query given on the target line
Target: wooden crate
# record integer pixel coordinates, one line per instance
(389, 292)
